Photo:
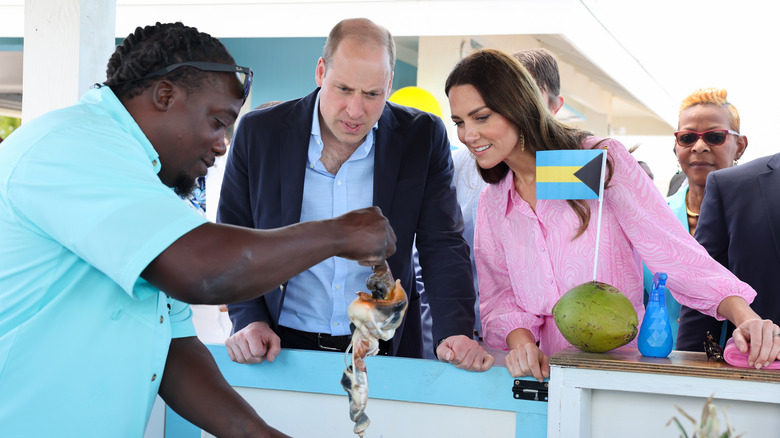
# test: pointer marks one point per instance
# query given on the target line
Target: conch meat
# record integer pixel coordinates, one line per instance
(375, 316)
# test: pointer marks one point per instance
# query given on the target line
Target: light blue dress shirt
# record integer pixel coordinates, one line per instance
(317, 300)
(84, 339)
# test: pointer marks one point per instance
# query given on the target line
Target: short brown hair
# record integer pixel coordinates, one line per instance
(363, 29)
(544, 68)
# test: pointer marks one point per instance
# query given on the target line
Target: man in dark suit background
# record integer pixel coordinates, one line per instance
(739, 225)
(341, 146)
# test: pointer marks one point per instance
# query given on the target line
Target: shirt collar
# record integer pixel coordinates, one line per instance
(103, 97)
(505, 189)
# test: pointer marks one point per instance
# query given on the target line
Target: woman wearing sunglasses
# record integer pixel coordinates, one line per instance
(530, 251)
(707, 139)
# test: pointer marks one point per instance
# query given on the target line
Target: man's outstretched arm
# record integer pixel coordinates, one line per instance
(218, 264)
(193, 386)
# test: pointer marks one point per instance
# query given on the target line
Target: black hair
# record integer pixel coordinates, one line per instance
(152, 48)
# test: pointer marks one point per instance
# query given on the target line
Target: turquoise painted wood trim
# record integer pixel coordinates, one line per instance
(9, 44)
(391, 378)
(531, 425)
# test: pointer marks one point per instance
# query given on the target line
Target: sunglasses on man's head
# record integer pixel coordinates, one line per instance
(713, 137)
(243, 74)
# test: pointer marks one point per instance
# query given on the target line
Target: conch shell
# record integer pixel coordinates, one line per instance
(375, 316)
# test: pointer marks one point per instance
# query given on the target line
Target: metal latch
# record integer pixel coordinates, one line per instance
(530, 390)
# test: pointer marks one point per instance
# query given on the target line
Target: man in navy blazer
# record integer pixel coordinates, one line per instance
(288, 166)
(739, 225)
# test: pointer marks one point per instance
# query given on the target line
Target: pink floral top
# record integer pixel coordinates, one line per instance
(526, 259)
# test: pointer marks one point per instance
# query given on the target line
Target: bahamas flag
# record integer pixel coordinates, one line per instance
(569, 174)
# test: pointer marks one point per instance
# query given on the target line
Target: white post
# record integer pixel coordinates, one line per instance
(67, 44)
(601, 204)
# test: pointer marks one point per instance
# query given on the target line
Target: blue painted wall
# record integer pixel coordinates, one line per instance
(405, 75)
(11, 44)
(284, 67)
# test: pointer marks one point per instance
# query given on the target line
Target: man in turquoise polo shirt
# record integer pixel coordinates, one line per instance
(91, 233)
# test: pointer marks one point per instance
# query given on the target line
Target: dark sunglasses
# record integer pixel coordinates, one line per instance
(713, 137)
(243, 74)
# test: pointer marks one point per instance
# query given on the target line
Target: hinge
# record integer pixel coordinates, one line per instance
(530, 390)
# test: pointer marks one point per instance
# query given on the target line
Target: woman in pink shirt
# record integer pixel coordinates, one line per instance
(529, 252)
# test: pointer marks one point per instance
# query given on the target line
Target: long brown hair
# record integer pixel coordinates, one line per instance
(509, 89)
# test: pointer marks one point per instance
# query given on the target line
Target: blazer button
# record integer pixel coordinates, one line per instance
(161, 319)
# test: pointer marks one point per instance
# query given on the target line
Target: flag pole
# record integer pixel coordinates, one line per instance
(601, 204)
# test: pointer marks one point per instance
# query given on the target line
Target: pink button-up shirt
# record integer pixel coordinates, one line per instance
(526, 259)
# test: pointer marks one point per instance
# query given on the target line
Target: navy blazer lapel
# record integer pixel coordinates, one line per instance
(770, 184)
(293, 150)
(387, 160)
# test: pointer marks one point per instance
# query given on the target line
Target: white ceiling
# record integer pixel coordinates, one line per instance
(567, 27)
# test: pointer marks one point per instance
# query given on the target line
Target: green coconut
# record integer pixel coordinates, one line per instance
(596, 317)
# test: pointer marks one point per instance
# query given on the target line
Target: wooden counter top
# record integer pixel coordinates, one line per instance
(681, 363)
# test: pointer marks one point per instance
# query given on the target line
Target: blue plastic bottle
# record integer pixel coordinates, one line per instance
(655, 334)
